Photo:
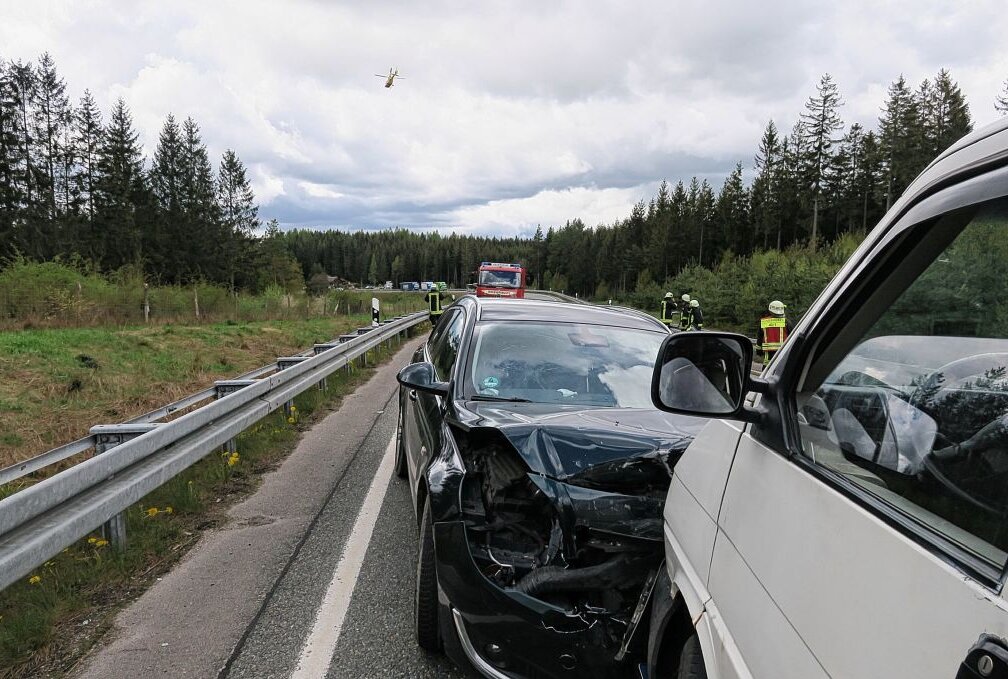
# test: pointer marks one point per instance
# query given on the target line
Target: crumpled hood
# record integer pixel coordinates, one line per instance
(602, 447)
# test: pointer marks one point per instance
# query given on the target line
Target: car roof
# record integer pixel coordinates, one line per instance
(496, 309)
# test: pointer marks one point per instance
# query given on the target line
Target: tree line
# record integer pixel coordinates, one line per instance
(821, 180)
(77, 186)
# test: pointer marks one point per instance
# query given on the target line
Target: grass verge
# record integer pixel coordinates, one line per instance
(51, 619)
(55, 384)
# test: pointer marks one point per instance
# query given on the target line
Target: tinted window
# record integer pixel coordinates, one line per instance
(565, 363)
(445, 347)
(917, 412)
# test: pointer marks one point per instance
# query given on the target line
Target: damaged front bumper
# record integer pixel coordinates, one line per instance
(512, 634)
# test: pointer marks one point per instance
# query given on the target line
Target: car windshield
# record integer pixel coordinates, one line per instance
(570, 363)
(500, 279)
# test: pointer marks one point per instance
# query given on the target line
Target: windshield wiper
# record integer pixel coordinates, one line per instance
(508, 399)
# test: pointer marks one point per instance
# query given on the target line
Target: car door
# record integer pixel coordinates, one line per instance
(863, 527)
(413, 414)
(442, 352)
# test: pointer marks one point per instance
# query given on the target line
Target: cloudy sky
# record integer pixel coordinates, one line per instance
(511, 114)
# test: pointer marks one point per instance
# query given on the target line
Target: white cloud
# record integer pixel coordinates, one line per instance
(509, 114)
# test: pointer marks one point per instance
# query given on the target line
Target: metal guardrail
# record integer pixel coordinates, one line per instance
(136, 457)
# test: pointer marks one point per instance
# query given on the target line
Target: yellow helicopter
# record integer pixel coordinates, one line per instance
(393, 73)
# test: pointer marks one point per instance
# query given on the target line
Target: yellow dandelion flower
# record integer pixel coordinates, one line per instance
(233, 460)
(100, 543)
(293, 409)
(35, 579)
(290, 420)
(91, 540)
(168, 510)
(152, 511)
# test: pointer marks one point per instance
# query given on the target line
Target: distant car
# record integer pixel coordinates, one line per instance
(388, 285)
(846, 514)
(538, 466)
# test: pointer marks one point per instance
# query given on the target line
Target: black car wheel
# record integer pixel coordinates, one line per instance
(425, 599)
(691, 664)
(400, 460)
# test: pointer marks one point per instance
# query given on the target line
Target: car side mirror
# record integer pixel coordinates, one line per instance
(420, 376)
(706, 374)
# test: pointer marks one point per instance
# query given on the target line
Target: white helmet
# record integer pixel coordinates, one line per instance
(685, 298)
(694, 303)
(777, 307)
(668, 295)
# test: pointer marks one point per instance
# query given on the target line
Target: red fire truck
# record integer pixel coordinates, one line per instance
(500, 280)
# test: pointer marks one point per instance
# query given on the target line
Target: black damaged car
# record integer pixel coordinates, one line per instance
(539, 470)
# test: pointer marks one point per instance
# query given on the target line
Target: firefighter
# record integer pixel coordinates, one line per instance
(684, 312)
(434, 298)
(696, 315)
(773, 331)
(669, 310)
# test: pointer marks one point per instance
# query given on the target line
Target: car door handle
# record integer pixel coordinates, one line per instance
(412, 394)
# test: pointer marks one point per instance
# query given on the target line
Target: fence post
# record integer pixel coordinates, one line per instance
(108, 436)
(146, 303)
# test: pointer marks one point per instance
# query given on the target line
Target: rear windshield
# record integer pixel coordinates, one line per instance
(500, 279)
(571, 363)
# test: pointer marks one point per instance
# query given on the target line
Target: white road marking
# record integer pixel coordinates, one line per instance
(317, 652)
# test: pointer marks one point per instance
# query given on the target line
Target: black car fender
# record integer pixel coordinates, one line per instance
(442, 479)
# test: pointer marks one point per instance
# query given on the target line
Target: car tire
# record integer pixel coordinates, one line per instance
(691, 665)
(400, 460)
(425, 599)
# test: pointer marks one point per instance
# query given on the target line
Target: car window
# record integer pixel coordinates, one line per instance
(917, 412)
(445, 347)
(565, 363)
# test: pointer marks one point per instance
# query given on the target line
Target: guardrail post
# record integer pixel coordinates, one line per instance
(221, 389)
(363, 331)
(283, 363)
(318, 349)
(349, 364)
(108, 436)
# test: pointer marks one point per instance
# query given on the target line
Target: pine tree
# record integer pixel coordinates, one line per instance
(238, 212)
(201, 223)
(11, 192)
(88, 139)
(119, 192)
(765, 197)
(733, 214)
(899, 135)
(820, 122)
(23, 91)
(167, 246)
(950, 114)
(52, 116)
(1001, 100)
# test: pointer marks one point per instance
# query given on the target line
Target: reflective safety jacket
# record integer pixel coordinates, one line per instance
(696, 318)
(434, 302)
(684, 318)
(669, 311)
(773, 332)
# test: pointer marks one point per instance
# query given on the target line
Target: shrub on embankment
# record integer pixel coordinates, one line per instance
(56, 294)
(735, 293)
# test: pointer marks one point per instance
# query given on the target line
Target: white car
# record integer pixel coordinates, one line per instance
(846, 513)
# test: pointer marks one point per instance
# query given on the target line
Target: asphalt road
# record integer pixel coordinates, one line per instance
(245, 601)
